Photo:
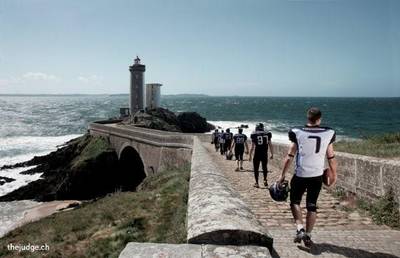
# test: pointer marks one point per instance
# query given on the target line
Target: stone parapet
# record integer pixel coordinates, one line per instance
(133, 250)
(216, 212)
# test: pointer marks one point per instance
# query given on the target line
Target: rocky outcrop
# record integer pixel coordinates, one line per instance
(192, 122)
(79, 170)
(159, 119)
(165, 120)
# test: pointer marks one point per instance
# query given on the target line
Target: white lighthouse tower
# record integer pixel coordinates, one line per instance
(137, 93)
(153, 95)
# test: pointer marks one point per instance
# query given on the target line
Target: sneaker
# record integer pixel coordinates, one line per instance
(265, 183)
(307, 241)
(256, 185)
(237, 169)
(299, 235)
(241, 168)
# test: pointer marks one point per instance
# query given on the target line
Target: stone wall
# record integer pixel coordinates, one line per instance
(216, 212)
(367, 177)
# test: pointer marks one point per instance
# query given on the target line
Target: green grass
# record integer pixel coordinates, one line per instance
(384, 210)
(381, 146)
(102, 228)
(91, 146)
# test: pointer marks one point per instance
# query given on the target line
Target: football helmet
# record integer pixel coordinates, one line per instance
(260, 127)
(279, 192)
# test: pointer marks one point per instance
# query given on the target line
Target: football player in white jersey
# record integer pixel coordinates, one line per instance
(310, 144)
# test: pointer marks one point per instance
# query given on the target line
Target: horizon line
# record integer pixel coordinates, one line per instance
(177, 94)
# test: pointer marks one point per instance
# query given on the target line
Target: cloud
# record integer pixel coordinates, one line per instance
(90, 79)
(39, 76)
(37, 80)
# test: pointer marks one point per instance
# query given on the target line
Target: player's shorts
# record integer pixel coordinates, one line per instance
(239, 150)
(227, 145)
(215, 141)
(298, 186)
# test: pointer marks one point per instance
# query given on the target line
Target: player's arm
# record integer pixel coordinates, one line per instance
(288, 160)
(251, 150)
(330, 154)
(233, 144)
(271, 149)
(247, 147)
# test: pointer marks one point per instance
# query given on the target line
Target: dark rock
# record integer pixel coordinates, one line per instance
(192, 122)
(85, 168)
(4, 180)
(158, 119)
(165, 120)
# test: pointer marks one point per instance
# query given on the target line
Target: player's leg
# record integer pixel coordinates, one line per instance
(237, 153)
(314, 186)
(297, 189)
(241, 158)
(264, 163)
(256, 166)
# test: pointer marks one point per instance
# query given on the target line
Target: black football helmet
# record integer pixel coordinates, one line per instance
(260, 127)
(279, 192)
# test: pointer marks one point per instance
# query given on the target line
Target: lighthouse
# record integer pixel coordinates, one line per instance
(137, 91)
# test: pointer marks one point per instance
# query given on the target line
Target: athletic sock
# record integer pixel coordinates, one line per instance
(300, 227)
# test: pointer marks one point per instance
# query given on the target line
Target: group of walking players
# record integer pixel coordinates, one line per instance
(226, 142)
(310, 144)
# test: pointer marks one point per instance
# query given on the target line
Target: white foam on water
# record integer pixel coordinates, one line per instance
(13, 212)
(21, 148)
(276, 136)
(30, 147)
(20, 179)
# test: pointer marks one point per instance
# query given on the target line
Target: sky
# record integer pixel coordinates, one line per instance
(333, 48)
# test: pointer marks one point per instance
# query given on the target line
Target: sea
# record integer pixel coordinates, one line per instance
(37, 124)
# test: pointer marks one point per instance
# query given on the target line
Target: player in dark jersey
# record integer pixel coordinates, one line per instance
(260, 141)
(238, 144)
(228, 141)
(221, 141)
(311, 144)
(214, 139)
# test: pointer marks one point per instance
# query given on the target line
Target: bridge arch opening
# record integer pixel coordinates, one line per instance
(131, 169)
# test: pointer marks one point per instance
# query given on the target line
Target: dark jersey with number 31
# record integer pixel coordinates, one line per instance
(260, 140)
(312, 143)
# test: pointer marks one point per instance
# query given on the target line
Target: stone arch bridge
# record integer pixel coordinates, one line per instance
(155, 150)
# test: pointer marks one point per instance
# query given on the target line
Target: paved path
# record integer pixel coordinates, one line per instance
(337, 233)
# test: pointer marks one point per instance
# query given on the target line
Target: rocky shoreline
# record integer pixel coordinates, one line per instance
(87, 167)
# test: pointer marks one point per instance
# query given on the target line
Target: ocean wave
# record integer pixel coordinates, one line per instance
(23, 148)
(20, 179)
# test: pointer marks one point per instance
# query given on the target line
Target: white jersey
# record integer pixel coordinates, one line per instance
(312, 143)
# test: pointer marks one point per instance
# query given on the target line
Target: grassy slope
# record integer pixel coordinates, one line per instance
(156, 213)
(383, 146)
(91, 147)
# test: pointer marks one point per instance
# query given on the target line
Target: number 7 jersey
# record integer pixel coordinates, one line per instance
(312, 143)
